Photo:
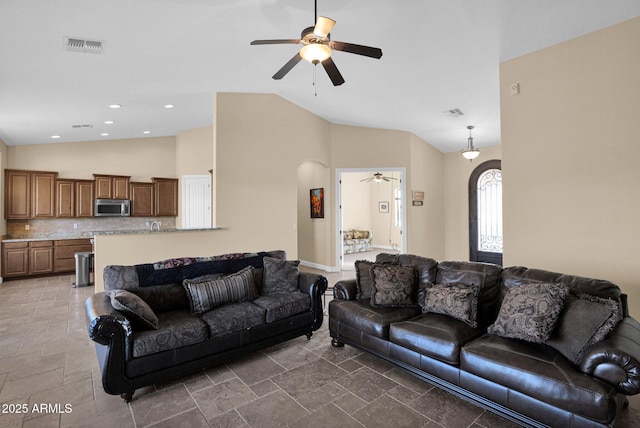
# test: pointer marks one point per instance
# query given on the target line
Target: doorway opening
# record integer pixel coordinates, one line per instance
(371, 214)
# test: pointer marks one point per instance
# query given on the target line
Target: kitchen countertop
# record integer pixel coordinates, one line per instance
(89, 235)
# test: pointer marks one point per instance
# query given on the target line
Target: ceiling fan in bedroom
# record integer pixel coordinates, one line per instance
(378, 177)
(318, 47)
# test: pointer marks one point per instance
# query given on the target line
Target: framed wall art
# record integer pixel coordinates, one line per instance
(316, 199)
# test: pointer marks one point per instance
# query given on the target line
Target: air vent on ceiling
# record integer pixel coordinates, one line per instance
(79, 44)
(81, 126)
(454, 112)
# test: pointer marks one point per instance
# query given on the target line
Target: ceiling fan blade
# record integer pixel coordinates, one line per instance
(323, 26)
(357, 49)
(367, 179)
(287, 67)
(332, 71)
(276, 42)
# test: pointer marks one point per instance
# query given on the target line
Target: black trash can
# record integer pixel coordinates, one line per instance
(84, 263)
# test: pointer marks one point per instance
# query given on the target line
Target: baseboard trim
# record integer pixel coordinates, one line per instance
(319, 266)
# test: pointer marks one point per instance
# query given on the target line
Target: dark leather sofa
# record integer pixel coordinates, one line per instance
(532, 384)
(132, 356)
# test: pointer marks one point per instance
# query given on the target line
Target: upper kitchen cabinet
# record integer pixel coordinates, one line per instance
(141, 199)
(65, 198)
(29, 194)
(111, 186)
(85, 194)
(166, 196)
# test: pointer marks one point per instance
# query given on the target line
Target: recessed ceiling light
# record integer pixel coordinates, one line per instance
(169, 106)
(55, 137)
(104, 134)
(109, 122)
(115, 106)
(147, 132)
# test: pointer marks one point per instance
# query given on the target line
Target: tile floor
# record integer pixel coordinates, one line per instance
(49, 377)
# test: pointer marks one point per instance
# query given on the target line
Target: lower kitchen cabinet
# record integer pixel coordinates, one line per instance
(64, 253)
(26, 258)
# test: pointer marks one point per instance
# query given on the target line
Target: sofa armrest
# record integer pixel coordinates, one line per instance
(345, 289)
(315, 286)
(616, 360)
(105, 323)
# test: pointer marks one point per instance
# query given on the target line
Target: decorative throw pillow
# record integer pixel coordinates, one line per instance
(394, 286)
(210, 294)
(134, 307)
(529, 312)
(458, 301)
(585, 321)
(280, 276)
(364, 279)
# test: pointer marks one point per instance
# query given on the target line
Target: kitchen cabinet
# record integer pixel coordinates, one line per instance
(166, 196)
(26, 258)
(65, 198)
(64, 253)
(111, 186)
(40, 257)
(142, 199)
(84, 197)
(29, 194)
(15, 259)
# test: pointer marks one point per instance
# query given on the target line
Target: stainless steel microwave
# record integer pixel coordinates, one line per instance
(112, 208)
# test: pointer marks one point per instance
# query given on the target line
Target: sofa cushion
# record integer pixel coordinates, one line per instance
(361, 315)
(435, 335)
(530, 311)
(135, 308)
(584, 321)
(541, 372)
(458, 301)
(394, 286)
(485, 275)
(235, 317)
(426, 268)
(205, 295)
(175, 329)
(160, 298)
(279, 306)
(280, 276)
(364, 279)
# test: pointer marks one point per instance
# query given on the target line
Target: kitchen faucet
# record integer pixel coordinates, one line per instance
(155, 223)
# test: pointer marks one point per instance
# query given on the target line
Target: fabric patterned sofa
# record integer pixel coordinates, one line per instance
(168, 319)
(537, 347)
(357, 241)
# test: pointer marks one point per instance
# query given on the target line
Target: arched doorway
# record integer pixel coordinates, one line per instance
(485, 213)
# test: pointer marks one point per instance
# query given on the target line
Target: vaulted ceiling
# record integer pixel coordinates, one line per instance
(438, 56)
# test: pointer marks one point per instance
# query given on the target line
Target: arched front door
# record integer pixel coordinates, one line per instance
(485, 213)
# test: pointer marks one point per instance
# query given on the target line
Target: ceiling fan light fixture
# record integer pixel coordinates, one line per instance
(470, 152)
(323, 26)
(315, 52)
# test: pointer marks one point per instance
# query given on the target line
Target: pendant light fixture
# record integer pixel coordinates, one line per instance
(470, 152)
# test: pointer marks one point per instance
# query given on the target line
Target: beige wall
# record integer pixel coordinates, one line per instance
(260, 141)
(141, 158)
(568, 143)
(457, 171)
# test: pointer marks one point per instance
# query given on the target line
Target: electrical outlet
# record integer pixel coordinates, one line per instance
(147, 224)
(515, 89)
(27, 227)
(75, 225)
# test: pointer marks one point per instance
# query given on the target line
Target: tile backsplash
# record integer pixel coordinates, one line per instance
(80, 227)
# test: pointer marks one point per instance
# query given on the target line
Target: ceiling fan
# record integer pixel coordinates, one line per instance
(378, 177)
(317, 48)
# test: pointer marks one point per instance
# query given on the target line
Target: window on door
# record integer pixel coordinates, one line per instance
(485, 213)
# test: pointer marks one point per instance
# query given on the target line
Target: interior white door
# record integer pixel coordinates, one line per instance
(196, 201)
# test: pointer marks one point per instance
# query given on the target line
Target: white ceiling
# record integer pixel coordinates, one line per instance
(437, 55)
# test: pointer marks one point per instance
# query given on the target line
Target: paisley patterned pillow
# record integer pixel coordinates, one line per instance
(280, 276)
(530, 312)
(135, 308)
(458, 301)
(394, 286)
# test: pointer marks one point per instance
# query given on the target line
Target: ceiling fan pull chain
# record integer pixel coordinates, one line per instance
(315, 87)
